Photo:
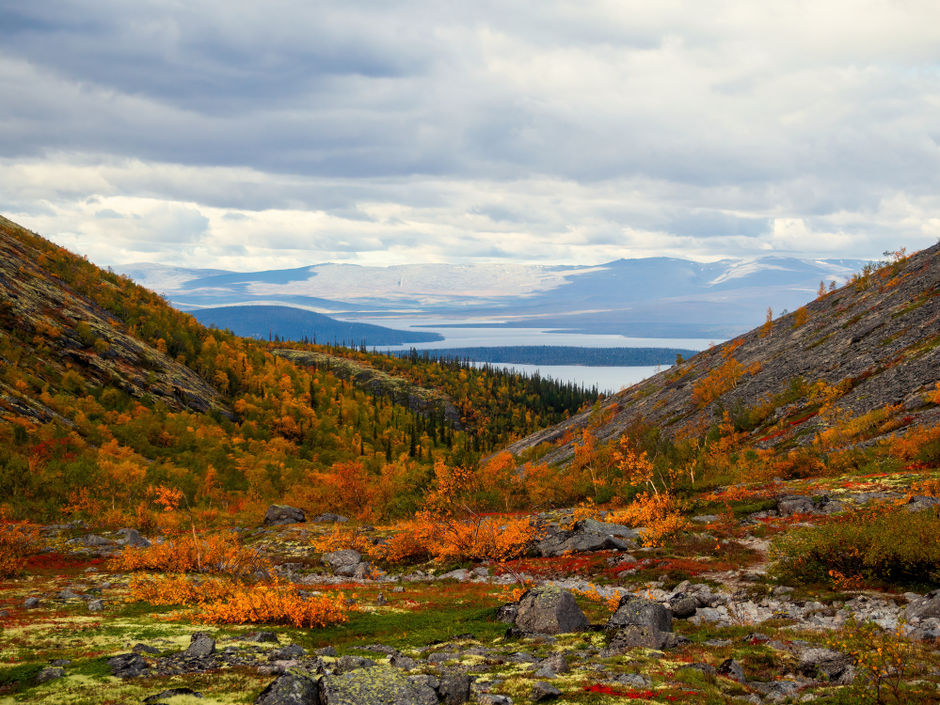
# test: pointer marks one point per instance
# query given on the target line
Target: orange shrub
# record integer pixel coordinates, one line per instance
(275, 604)
(720, 380)
(226, 601)
(17, 540)
(478, 538)
(339, 539)
(189, 554)
(659, 513)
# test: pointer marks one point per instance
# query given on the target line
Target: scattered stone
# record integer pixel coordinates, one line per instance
(634, 635)
(132, 537)
(549, 610)
(507, 613)
(380, 600)
(262, 637)
(50, 673)
(731, 669)
(288, 653)
(492, 699)
(93, 541)
(128, 665)
(542, 692)
(290, 689)
(200, 646)
(925, 607)
(95, 605)
(706, 518)
(145, 649)
(330, 518)
(283, 514)
(31, 603)
(454, 688)
(171, 693)
(67, 594)
(826, 665)
(919, 504)
(343, 562)
(682, 606)
(329, 651)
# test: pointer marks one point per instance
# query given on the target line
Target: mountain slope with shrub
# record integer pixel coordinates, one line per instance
(851, 367)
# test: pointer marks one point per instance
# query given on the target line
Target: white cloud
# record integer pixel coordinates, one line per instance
(239, 135)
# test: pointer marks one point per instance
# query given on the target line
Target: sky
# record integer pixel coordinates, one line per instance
(260, 135)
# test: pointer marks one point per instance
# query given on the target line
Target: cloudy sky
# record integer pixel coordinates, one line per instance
(253, 135)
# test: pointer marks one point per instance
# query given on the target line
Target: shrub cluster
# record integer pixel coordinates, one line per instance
(884, 544)
(218, 553)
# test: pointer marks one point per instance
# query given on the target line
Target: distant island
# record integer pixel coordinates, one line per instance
(559, 355)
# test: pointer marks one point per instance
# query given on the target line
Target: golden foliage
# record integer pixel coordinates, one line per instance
(217, 553)
(226, 601)
(17, 541)
(720, 380)
(659, 513)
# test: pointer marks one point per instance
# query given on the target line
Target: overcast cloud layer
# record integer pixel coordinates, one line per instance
(248, 135)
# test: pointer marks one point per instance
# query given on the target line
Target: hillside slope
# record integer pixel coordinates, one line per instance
(866, 356)
(54, 329)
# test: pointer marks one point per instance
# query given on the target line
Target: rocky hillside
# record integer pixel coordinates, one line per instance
(866, 354)
(68, 340)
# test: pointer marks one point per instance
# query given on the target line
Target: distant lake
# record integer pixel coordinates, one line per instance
(607, 379)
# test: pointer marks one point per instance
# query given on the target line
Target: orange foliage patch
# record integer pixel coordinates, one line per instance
(720, 380)
(225, 601)
(189, 554)
(659, 513)
(17, 541)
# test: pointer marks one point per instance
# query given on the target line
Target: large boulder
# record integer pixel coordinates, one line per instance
(344, 562)
(283, 514)
(549, 610)
(379, 685)
(290, 689)
(585, 536)
(637, 611)
(925, 607)
(827, 665)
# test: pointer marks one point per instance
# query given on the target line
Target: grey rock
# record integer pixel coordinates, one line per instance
(31, 602)
(919, 504)
(507, 613)
(287, 653)
(454, 688)
(128, 665)
(683, 606)
(405, 663)
(283, 514)
(461, 574)
(67, 594)
(925, 607)
(290, 689)
(347, 664)
(330, 518)
(95, 606)
(380, 600)
(362, 571)
(132, 537)
(638, 636)
(795, 504)
(543, 692)
(731, 669)
(705, 518)
(95, 541)
(200, 646)
(145, 649)
(378, 685)
(327, 651)
(342, 562)
(262, 637)
(827, 665)
(549, 611)
(50, 673)
(634, 680)
(637, 611)
(493, 699)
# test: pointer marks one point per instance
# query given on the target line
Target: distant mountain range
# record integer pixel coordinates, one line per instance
(288, 323)
(651, 297)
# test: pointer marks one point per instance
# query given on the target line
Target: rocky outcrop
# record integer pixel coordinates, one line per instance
(283, 514)
(876, 338)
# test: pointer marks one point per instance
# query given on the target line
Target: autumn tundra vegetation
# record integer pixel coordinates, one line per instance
(757, 523)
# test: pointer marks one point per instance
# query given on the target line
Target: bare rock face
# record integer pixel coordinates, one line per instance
(549, 611)
(343, 562)
(283, 514)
